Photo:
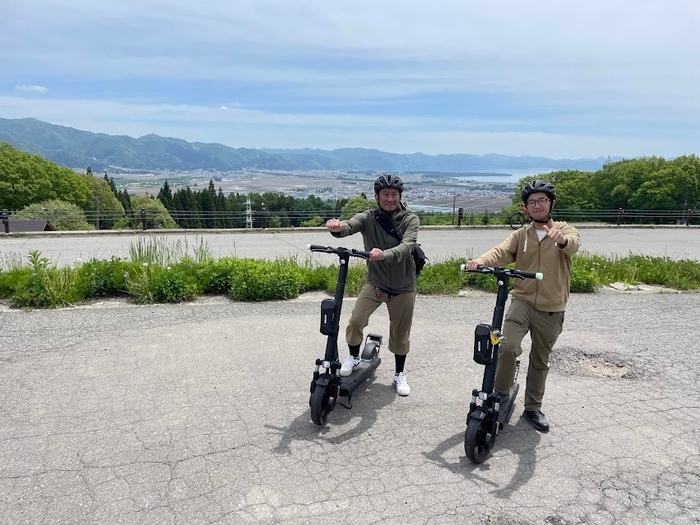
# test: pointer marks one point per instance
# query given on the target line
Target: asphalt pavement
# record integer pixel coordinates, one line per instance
(198, 413)
(439, 243)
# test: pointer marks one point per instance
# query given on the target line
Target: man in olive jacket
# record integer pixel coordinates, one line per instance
(536, 306)
(391, 273)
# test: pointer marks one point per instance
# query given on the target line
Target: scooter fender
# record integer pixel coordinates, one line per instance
(322, 381)
(476, 414)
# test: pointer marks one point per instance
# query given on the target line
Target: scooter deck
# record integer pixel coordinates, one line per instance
(362, 372)
(508, 406)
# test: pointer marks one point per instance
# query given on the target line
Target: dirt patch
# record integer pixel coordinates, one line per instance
(602, 368)
(572, 361)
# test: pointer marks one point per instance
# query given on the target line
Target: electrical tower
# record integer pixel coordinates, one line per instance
(248, 213)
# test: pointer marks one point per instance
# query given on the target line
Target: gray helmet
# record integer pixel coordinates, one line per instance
(539, 186)
(388, 181)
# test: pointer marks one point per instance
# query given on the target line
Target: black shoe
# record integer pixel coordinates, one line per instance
(537, 419)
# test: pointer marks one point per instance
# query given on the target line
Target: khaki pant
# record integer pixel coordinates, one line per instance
(400, 318)
(544, 328)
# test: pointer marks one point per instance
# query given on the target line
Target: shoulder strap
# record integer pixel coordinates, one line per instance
(387, 225)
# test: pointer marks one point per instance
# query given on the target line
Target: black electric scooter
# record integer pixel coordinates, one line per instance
(489, 412)
(327, 384)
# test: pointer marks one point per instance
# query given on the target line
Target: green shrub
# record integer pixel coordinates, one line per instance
(13, 280)
(39, 284)
(141, 281)
(122, 224)
(316, 278)
(583, 279)
(174, 284)
(312, 222)
(481, 281)
(261, 280)
(441, 278)
(48, 286)
(103, 278)
(214, 276)
(357, 275)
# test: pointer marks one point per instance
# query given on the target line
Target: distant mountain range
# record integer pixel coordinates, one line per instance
(78, 149)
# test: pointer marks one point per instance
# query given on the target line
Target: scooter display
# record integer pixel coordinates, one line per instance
(327, 384)
(489, 411)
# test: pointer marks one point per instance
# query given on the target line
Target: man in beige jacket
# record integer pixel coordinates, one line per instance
(536, 306)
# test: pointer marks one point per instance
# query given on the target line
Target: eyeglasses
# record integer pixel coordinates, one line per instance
(540, 202)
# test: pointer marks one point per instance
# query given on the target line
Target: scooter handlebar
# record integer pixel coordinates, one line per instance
(338, 251)
(514, 272)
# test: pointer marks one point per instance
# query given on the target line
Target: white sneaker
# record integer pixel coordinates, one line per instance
(349, 365)
(401, 384)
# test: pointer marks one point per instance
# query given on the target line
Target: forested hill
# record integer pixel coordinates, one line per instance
(78, 149)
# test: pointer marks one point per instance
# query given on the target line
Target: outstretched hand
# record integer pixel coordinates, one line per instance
(556, 235)
(334, 225)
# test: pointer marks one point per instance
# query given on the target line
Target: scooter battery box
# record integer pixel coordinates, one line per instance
(328, 312)
(483, 347)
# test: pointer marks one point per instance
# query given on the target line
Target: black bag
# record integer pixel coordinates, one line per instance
(483, 345)
(419, 257)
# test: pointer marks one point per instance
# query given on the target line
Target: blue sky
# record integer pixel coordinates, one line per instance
(561, 79)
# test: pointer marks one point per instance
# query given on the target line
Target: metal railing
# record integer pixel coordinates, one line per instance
(148, 219)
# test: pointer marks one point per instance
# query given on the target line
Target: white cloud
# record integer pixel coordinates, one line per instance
(36, 89)
(622, 71)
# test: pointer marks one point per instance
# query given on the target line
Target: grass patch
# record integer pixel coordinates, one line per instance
(47, 286)
(162, 273)
(159, 252)
(682, 274)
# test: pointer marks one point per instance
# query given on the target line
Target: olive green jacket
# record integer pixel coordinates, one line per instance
(397, 272)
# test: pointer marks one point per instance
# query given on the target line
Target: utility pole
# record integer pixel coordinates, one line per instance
(685, 203)
(248, 214)
(454, 202)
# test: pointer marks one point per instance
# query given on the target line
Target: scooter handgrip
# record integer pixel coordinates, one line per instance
(529, 275)
(313, 247)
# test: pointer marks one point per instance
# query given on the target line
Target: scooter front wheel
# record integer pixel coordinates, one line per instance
(321, 404)
(478, 439)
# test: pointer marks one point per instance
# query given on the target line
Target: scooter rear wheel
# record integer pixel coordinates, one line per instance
(478, 439)
(320, 404)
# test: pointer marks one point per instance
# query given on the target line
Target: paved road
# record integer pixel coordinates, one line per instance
(198, 414)
(64, 249)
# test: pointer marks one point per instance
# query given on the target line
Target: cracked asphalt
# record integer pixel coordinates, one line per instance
(198, 413)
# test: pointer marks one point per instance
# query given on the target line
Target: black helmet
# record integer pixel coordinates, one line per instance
(388, 181)
(539, 186)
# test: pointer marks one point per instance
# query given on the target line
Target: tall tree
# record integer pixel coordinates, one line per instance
(165, 196)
